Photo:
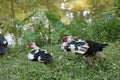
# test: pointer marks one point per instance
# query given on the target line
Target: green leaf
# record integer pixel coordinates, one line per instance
(58, 25)
(54, 36)
(29, 35)
(53, 16)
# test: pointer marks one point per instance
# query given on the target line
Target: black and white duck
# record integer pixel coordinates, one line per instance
(40, 55)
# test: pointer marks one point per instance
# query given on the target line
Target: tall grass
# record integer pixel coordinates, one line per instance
(16, 66)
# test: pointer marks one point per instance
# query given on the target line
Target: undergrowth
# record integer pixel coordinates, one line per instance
(16, 66)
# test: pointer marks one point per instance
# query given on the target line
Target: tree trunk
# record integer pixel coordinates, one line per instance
(48, 4)
(12, 9)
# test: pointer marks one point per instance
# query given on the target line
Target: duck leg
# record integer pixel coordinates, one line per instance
(101, 55)
(88, 61)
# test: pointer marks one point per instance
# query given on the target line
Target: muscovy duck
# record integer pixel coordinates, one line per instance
(3, 44)
(84, 47)
(74, 46)
(95, 48)
(38, 54)
(65, 41)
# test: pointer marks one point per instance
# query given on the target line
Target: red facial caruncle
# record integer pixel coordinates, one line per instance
(65, 38)
(30, 44)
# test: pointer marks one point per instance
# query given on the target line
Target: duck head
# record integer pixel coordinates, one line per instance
(33, 45)
(68, 38)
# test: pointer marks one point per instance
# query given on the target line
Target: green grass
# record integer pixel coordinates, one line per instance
(16, 66)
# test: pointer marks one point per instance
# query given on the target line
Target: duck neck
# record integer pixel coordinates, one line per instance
(36, 47)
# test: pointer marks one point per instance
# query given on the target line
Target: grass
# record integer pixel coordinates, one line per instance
(16, 66)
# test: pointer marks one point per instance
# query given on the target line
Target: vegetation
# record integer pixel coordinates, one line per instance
(117, 8)
(46, 23)
(15, 66)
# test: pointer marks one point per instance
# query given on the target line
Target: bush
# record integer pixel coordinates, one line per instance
(106, 30)
(80, 29)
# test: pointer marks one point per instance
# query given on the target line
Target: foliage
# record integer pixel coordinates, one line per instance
(37, 23)
(117, 8)
(80, 29)
(13, 27)
(53, 16)
(16, 66)
(46, 27)
(106, 29)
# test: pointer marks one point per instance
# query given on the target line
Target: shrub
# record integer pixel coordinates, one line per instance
(107, 30)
